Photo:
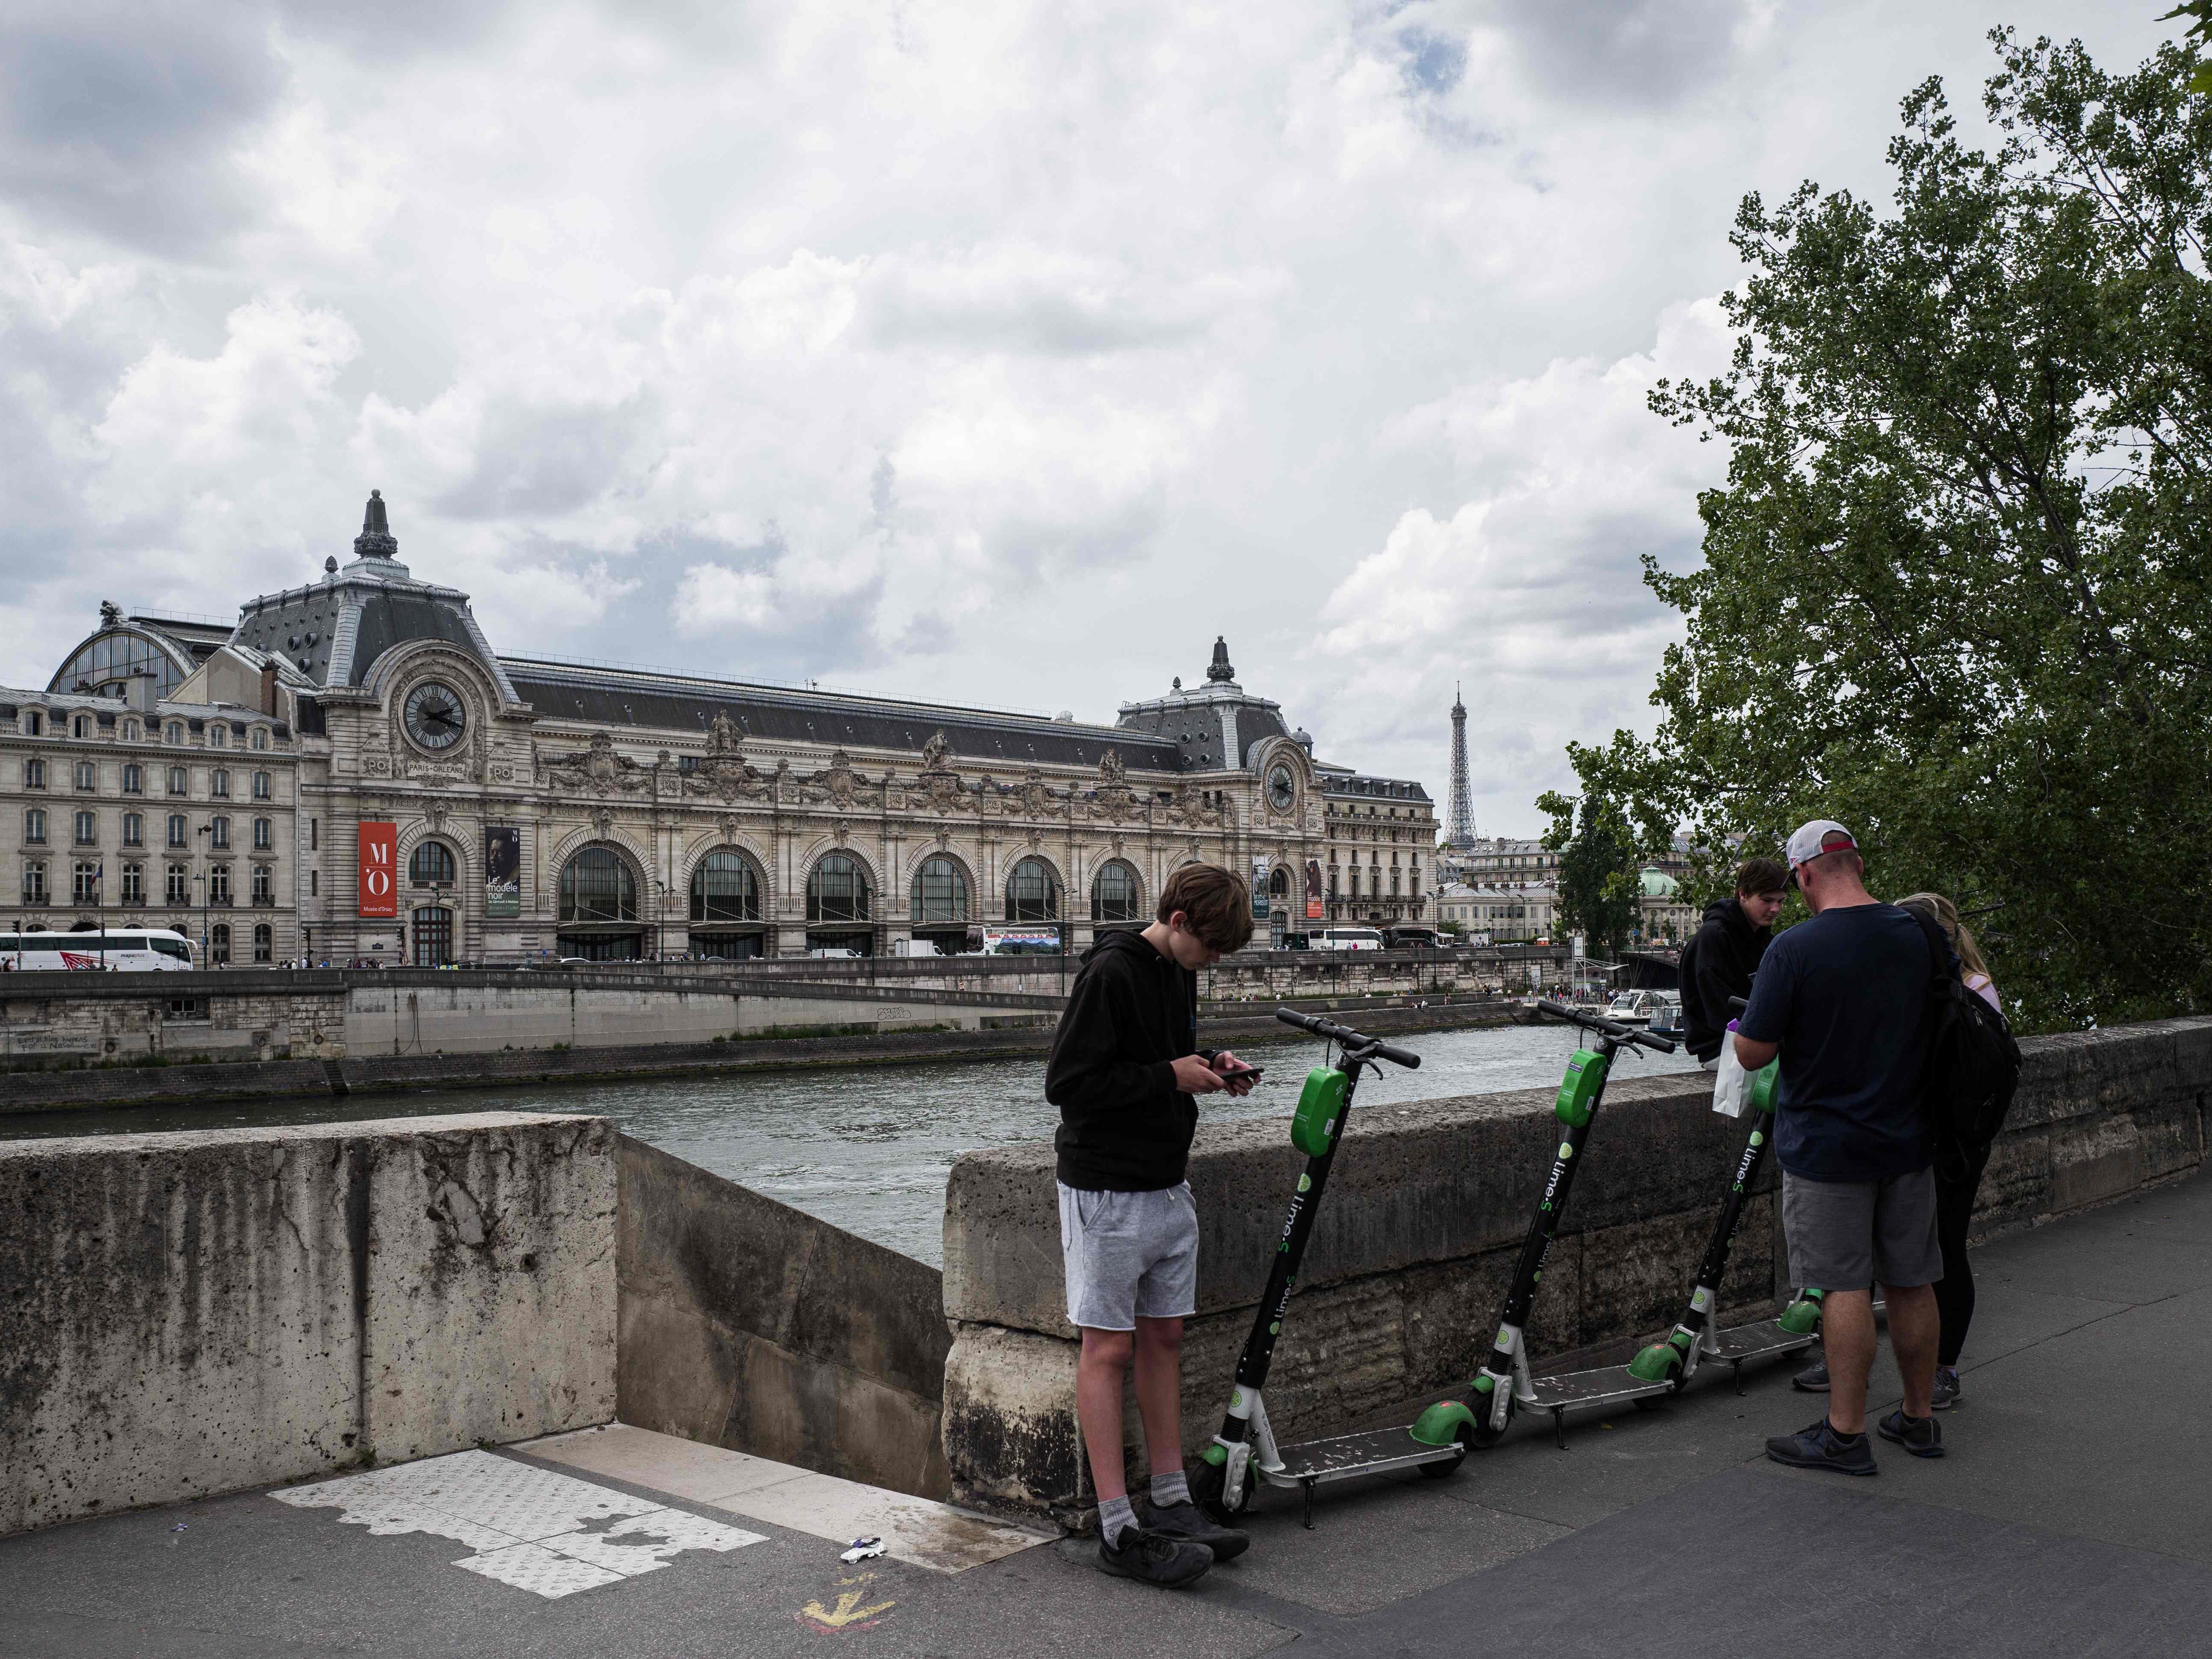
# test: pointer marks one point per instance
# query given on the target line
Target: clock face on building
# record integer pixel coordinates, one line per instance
(435, 715)
(1282, 789)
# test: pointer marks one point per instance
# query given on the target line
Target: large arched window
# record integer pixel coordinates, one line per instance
(837, 890)
(109, 661)
(432, 864)
(940, 891)
(596, 885)
(725, 888)
(1114, 895)
(1033, 892)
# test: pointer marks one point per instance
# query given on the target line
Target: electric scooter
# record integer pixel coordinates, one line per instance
(1244, 1453)
(1503, 1383)
(1698, 1337)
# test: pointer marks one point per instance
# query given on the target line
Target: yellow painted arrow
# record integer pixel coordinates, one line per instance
(847, 1613)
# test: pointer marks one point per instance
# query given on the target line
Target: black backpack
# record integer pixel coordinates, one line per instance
(1973, 1064)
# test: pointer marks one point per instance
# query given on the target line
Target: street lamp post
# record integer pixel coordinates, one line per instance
(202, 878)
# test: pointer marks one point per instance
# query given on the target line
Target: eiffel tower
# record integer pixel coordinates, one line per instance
(1459, 832)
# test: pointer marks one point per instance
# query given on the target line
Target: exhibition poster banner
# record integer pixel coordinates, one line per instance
(1260, 887)
(503, 870)
(1312, 889)
(379, 846)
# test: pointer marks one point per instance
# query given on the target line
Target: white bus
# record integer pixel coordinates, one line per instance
(1344, 938)
(128, 951)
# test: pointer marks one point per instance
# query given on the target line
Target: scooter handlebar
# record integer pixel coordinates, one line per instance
(1344, 1036)
(1612, 1028)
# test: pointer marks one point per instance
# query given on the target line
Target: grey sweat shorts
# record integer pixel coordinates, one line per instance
(1847, 1235)
(1128, 1255)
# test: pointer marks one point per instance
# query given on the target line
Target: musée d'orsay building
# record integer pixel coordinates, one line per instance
(352, 772)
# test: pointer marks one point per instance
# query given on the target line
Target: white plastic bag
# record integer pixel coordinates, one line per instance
(1729, 1081)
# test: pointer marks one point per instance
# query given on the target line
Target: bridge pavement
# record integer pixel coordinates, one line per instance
(2069, 1519)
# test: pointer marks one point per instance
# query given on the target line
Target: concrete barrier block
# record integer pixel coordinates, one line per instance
(188, 1314)
(491, 1304)
(749, 1324)
(1010, 1412)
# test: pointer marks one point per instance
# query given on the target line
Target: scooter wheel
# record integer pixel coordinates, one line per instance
(1449, 1468)
(1208, 1481)
(1482, 1434)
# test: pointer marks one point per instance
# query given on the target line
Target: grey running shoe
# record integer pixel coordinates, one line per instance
(1946, 1388)
(1813, 1379)
(1818, 1448)
(1917, 1435)
(1188, 1521)
(1154, 1558)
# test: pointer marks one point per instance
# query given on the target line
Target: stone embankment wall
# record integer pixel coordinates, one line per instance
(748, 1324)
(1421, 1225)
(188, 1314)
(57, 1088)
(260, 1014)
(182, 1315)
(120, 1020)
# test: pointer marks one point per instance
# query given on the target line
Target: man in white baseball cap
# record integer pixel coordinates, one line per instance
(1810, 840)
(1842, 997)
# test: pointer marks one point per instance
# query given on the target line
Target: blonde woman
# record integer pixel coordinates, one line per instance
(1955, 1188)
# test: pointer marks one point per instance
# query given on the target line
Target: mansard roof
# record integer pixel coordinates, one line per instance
(641, 699)
(333, 631)
(1215, 726)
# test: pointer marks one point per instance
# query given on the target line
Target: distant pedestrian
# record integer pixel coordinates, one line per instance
(1956, 1181)
(1124, 1066)
(1721, 957)
(1843, 998)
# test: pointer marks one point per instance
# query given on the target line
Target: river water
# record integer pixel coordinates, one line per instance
(868, 1147)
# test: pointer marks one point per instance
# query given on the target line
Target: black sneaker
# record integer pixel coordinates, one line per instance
(1155, 1558)
(1187, 1520)
(1917, 1435)
(1820, 1448)
(1946, 1388)
(1813, 1379)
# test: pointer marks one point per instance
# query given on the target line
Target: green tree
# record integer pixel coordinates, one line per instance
(2199, 32)
(1954, 589)
(1600, 878)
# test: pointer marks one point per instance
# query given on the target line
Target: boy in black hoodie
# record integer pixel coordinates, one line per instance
(1124, 1067)
(1717, 964)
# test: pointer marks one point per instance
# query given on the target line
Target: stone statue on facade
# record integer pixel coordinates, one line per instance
(723, 770)
(598, 769)
(837, 784)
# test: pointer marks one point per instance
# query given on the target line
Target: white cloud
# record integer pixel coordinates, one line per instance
(1532, 589)
(979, 349)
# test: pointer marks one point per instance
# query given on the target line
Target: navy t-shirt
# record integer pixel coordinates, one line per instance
(1846, 995)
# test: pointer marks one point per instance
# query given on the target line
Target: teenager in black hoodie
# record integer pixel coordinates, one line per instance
(1719, 961)
(1124, 1067)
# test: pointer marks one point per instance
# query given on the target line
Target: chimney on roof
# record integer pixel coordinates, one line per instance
(269, 688)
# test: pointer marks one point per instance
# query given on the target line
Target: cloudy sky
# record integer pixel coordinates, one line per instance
(992, 351)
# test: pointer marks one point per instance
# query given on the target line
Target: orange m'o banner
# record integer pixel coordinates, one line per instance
(379, 850)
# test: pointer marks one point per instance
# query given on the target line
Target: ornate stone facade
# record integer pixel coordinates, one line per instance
(662, 815)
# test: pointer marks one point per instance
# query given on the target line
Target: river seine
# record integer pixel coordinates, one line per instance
(868, 1147)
